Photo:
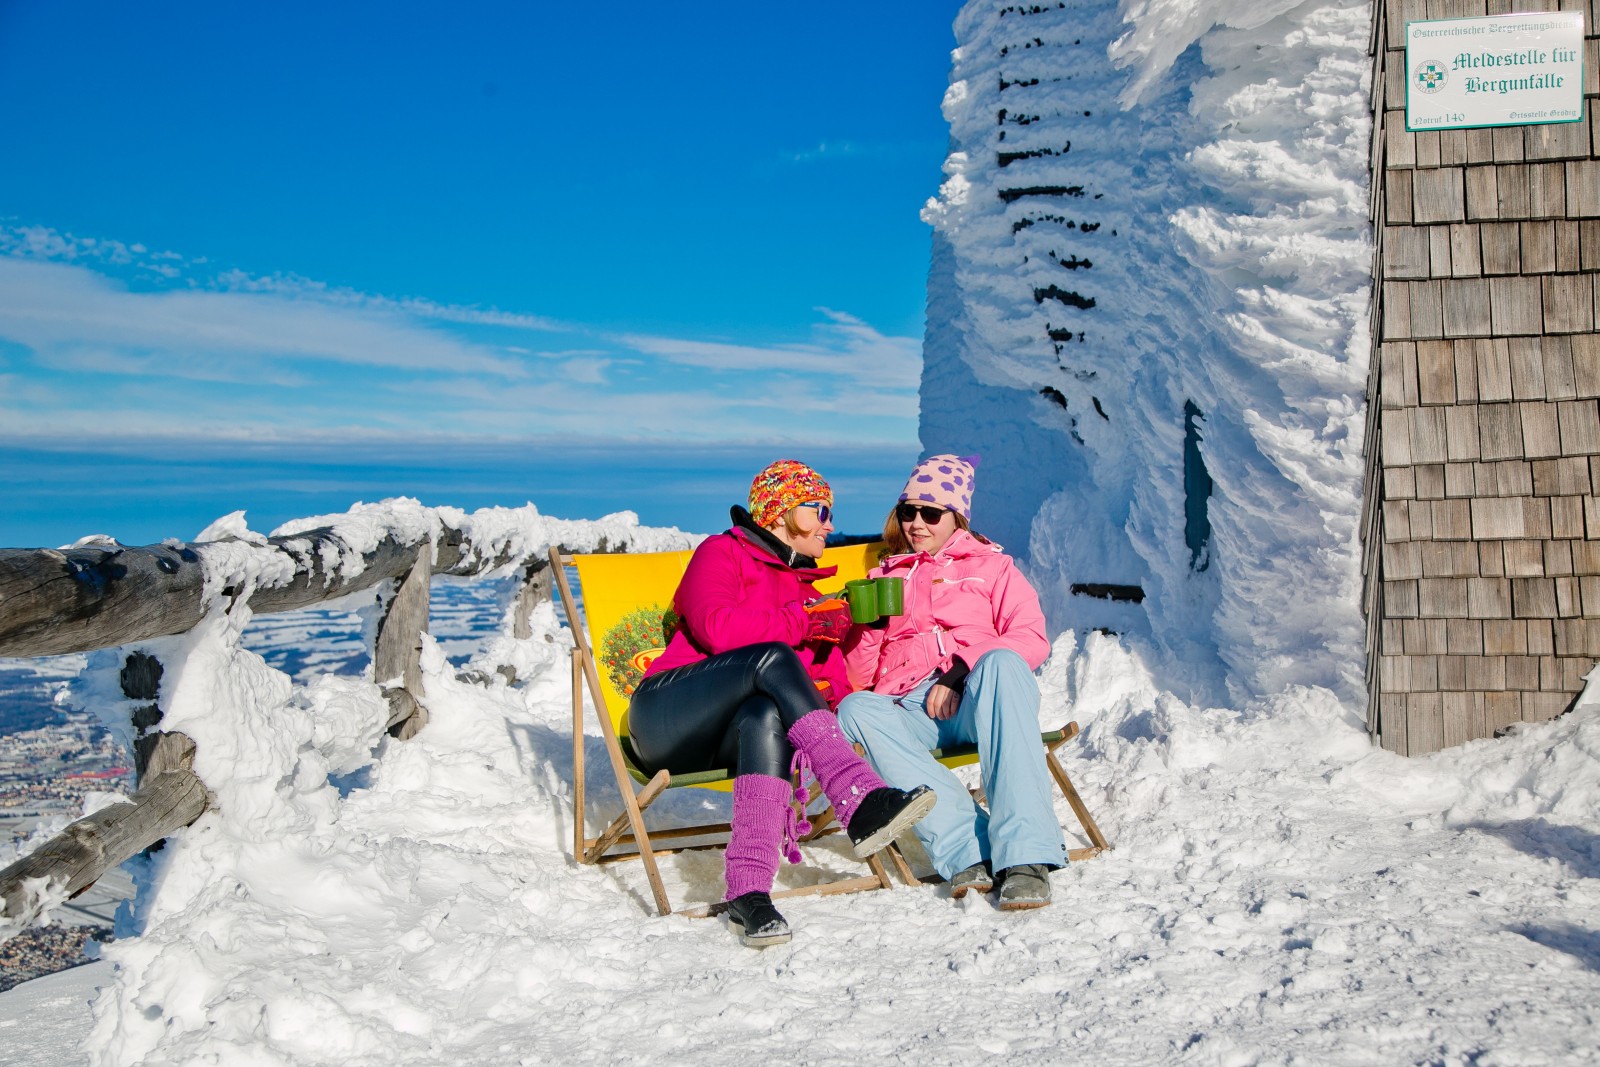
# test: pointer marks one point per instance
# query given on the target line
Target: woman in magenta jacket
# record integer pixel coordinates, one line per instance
(957, 668)
(749, 680)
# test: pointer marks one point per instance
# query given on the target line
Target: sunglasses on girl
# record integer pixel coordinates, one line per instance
(930, 515)
(824, 512)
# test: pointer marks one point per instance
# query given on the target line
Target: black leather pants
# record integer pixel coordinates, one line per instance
(733, 709)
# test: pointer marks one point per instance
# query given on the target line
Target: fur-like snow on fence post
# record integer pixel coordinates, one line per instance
(177, 608)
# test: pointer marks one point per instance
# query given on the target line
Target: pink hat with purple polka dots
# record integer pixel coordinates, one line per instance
(944, 481)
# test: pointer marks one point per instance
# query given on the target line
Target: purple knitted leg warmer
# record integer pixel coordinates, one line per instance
(761, 817)
(845, 777)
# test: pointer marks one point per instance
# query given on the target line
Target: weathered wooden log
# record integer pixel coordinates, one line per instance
(141, 680)
(170, 796)
(169, 752)
(55, 601)
(154, 751)
(52, 602)
(72, 860)
(538, 584)
(397, 650)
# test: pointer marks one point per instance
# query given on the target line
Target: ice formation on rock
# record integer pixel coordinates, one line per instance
(1148, 310)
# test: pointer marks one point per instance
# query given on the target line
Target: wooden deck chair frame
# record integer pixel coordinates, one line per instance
(628, 828)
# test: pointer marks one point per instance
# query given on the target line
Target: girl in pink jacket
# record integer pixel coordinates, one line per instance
(957, 668)
(748, 682)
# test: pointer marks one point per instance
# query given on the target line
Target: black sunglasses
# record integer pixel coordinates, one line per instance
(930, 515)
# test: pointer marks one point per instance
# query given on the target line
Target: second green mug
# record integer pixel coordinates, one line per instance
(891, 595)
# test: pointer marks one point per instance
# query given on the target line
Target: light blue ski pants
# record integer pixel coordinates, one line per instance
(1000, 714)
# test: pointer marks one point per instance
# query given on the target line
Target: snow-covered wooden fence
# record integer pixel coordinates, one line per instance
(99, 594)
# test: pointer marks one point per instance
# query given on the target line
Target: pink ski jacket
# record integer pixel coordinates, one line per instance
(736, 593)
(968, 599)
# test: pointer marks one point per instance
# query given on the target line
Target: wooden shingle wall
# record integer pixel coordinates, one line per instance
(1481, 532)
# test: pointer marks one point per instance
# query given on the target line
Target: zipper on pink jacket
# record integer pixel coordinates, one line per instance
(937, 631)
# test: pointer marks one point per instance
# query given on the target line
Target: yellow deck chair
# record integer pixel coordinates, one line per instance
(627, 602)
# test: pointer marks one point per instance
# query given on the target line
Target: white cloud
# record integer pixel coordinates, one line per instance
(586, 371)
(846, 349)
(806, 411)
(43, 243)
(305, 288)
(54, 308)
(246, 358)
(187, 366)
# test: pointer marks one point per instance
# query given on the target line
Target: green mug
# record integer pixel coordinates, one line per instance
(863, 596)
(891, 595)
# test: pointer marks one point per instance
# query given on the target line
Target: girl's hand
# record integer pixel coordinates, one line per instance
(942, 702)
(944, 698)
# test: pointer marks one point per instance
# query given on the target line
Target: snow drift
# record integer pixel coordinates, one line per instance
(1281, 891)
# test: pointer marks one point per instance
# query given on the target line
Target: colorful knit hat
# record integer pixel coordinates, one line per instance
(785, 484)
(944, 481)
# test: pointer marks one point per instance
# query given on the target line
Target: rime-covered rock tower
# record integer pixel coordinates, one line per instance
(1147, 310)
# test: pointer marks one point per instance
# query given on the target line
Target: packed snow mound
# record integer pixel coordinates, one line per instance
(1147, 310)
(1278, 888)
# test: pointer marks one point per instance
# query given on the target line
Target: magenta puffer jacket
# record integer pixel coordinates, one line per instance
(968, 599)
(736, 593)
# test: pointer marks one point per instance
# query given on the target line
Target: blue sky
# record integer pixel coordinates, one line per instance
(284, 257)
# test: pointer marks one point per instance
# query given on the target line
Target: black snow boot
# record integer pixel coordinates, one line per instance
(762, 924)
(884, 814)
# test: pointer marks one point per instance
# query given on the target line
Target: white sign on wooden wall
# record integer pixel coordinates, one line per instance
(1502, 70)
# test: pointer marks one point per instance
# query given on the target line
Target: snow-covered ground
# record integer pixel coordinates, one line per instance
(1280, 891)
(42, 1022)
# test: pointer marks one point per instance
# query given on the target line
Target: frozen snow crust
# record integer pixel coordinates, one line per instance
(1281, 892)
(1146, 204)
